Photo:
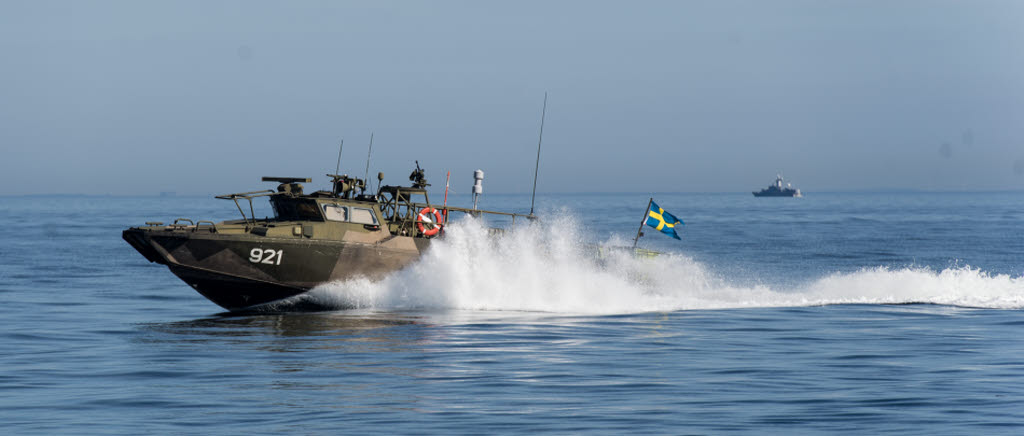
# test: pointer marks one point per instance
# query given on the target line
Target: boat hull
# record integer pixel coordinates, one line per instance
(243, 270)
(232, 292)
(778, 194)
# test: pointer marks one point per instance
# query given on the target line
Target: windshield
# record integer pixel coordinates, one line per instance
(291, 209)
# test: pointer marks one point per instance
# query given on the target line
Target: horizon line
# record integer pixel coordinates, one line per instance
(844, 191)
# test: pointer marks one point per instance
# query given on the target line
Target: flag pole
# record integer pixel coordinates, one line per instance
(446, 180)
(540, 138)
(640, 230)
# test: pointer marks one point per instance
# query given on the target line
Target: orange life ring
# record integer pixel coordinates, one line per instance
(424, 217)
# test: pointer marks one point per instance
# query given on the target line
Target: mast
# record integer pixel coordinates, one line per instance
(540, 139)
(340, 148)
(368, 151)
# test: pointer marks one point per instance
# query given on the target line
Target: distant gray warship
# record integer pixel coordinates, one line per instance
(776, 190)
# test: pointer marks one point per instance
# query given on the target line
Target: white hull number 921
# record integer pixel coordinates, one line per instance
(268, 256)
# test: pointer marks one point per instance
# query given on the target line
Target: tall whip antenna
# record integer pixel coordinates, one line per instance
(367, 173)
(338, 166)
(540, 139)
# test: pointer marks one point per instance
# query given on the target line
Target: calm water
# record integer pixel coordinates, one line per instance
(861, 313)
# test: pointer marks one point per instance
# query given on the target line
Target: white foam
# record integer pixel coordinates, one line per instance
(547, 268)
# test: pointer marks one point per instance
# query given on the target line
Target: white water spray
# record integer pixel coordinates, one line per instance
(548, 268)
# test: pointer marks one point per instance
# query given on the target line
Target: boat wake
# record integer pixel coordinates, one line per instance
(549, 268)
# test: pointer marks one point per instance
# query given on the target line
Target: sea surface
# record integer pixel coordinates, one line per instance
(860, 313)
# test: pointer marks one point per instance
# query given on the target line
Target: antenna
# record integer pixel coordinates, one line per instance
(370, 150)
(540, 139)
(338, 166)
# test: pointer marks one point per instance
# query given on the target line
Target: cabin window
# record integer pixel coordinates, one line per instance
(297, 210)
(363, 216)
(336, 212)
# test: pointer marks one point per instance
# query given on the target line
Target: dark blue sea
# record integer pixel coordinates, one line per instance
(859, 313)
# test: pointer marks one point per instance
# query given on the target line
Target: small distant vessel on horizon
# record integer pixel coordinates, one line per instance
(777, 190)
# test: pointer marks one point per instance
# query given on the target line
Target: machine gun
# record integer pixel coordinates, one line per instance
(288, 185)
(418, 179)
(345, 186)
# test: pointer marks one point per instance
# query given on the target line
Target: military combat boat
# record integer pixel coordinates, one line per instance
(776, 190)
(311, 239)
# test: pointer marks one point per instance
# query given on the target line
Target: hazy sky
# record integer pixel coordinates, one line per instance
(204, 97)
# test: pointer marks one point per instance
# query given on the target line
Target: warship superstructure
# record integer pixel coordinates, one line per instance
(777, 190)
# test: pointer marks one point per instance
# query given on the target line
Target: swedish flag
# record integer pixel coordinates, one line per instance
(663, 221)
